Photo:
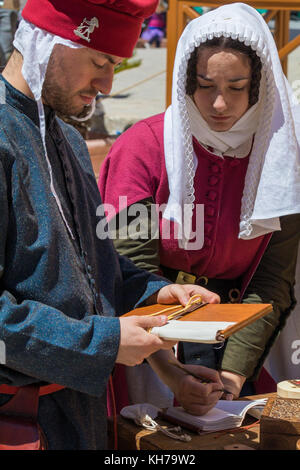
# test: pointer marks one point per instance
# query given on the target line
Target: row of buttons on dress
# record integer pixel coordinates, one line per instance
(212, 197)
(210, 204)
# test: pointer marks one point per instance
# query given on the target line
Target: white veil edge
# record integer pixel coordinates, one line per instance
(272, 184)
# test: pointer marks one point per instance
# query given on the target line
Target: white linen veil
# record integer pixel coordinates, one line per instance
(272, 183)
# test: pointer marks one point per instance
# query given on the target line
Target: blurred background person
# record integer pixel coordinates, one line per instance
(155, 30)
(8, 24)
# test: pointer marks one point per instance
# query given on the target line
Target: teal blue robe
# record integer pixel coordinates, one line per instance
(59, 297)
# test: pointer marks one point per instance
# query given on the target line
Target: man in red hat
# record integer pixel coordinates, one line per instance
(62, 286)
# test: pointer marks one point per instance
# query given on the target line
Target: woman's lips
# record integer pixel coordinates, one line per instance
(220, 118)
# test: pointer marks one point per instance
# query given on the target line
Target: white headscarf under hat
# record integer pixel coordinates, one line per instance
(36, 46)
(272, 183)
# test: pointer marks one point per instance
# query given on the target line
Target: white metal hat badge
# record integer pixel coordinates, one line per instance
(86, 28)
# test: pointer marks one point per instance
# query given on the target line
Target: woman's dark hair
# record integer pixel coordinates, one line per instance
(226, 43)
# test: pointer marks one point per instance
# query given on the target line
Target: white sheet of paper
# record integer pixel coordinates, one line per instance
(192, 331)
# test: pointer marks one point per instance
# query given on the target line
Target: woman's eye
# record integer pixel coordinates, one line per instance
(238, 89)
(204, 86)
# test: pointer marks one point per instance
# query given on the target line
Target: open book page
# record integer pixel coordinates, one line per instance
(225, 415)
(192, 331)
(241, 407)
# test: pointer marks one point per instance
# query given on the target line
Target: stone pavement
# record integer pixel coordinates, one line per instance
(137, 93)
(144, 90)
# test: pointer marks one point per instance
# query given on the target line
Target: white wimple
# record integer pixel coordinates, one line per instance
(272, 184)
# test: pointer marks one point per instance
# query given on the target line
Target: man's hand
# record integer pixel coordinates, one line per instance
(136, 343)
(181, 293)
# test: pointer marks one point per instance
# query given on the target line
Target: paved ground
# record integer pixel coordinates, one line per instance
(146, 88)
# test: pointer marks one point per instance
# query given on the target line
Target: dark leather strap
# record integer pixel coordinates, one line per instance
(227, 289)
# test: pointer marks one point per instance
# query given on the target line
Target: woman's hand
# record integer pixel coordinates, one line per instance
(192, 394)
(195, 396)
(233, 383)
(181, 293)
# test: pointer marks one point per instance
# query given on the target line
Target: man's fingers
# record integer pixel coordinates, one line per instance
(150, 322)
(168, 344)
(135, 341)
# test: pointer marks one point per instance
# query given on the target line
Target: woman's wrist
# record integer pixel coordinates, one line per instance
(232, 381)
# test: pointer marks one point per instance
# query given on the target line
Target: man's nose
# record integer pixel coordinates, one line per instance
(220, 103)
(103, 83)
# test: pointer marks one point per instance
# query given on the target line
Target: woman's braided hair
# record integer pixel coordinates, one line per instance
(226, 43)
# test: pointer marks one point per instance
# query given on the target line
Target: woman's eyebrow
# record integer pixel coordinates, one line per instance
(232, 80)
(204, 77)
(238, 79)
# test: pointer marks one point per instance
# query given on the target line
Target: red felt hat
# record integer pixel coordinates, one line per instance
(110, 26)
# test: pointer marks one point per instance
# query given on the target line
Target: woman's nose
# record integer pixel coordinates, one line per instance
(220, 104)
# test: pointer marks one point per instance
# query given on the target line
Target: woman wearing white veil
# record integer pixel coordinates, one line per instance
(224, 159)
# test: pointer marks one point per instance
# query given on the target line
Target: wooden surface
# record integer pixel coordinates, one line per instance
(280, 424)
(132, 437)
(180, 11)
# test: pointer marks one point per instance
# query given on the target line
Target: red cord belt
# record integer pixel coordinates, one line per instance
(44, 390)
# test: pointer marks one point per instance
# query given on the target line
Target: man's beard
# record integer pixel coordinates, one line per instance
(60, 102)
(87, 109)
(56, 92)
